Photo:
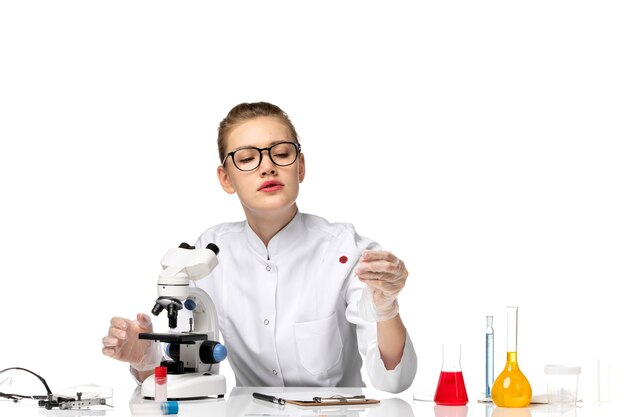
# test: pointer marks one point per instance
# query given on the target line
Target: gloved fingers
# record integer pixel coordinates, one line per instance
(379, 261)
(120, 323)
(144, 321)
(376, 255)
(143, 318)
(363, 274)
(375, 264)
(383, 277)
(379, 265)
(111, 341)
(122, 342)
(117, 333)
(107, 351)
(116, 336)
(384, 286)
(112, 350)
(380, 279)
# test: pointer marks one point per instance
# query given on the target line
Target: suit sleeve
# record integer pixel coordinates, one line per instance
(394, 380)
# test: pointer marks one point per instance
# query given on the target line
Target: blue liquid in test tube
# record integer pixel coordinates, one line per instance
(489, 357)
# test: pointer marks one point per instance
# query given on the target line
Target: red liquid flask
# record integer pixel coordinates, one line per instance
(451, 389)
(451, 386)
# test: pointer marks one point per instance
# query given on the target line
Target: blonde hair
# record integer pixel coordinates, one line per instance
(247, 111)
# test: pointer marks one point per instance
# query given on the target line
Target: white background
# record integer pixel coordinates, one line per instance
(480, 141)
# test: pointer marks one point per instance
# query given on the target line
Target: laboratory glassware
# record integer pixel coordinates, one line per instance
(511, 388)
(451, 386)
(562, 384)
(489, 336)
(160, 384)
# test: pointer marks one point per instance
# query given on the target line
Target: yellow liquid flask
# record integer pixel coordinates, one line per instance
(511, 388)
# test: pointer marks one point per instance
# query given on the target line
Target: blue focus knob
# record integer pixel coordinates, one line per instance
(212, 352)
(220, 352)
(190, 304)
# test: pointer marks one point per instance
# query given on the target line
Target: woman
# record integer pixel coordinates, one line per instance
(288, 301)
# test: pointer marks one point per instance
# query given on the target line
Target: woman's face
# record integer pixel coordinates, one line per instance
(269, 188)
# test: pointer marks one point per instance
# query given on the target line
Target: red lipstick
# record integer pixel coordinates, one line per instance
(272, 185)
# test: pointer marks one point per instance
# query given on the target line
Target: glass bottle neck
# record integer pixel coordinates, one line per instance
(511, 357)
(511, 329)
(489, 329)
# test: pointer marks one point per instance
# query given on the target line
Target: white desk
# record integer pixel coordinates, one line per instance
(239, 403)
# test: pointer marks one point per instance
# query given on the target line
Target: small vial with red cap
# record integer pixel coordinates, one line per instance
(160, 384)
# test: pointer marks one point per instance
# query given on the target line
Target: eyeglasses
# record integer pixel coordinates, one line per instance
(249, 158)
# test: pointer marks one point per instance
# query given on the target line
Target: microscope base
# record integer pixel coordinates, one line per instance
(188, 386)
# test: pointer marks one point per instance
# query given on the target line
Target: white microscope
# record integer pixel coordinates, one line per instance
(193, 371)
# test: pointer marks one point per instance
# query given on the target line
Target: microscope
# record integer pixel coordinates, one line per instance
(193, 371)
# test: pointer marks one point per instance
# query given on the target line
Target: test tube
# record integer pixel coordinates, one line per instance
(154, 408)
(489, 357)
(160, 384)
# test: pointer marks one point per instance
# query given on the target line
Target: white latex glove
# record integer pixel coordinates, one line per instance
(123, 343)
(385, 275)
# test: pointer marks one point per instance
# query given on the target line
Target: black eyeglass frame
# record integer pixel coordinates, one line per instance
(269, 153)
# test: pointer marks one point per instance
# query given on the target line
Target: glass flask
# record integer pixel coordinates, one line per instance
(511, 388)
(451, 386)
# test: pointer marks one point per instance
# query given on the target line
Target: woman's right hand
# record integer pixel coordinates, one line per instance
(123, 343)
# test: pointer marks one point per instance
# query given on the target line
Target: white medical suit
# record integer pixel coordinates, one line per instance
(288, 313)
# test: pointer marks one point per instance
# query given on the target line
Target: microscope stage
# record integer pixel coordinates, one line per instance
(182, 338)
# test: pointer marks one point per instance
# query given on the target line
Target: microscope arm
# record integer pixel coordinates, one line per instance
(204, 314)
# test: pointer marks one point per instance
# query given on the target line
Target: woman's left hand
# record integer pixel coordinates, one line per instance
(385, 275)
